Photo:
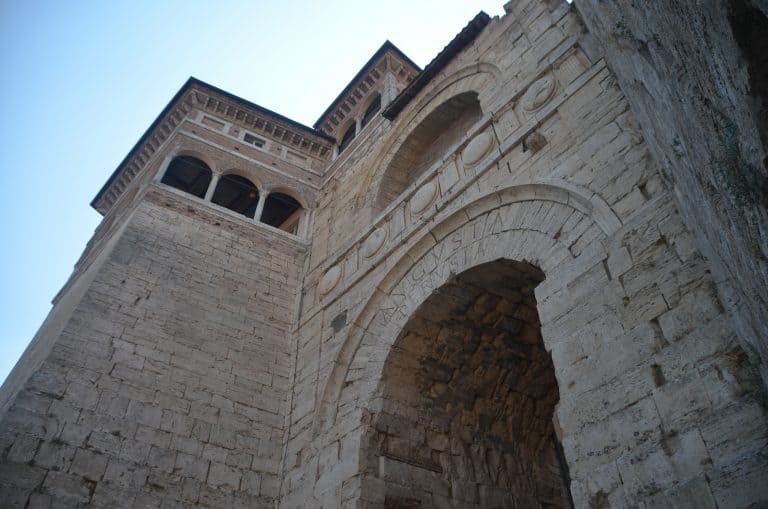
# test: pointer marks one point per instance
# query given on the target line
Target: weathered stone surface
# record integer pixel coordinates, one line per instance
(494, 298)
(374, 242)
(330, 280)
(538, 93)
(700, 104)
(423, 197)
(477, 148)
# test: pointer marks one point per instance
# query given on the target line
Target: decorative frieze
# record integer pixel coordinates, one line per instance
(477, 149)
(329, 280)
(374, 242)
(423, 197)
(539, 93)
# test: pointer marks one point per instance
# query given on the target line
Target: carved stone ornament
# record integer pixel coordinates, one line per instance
(423, 197)
(329, 280)
(538, 93)
(477, 149)
(534, 142)
(373, 243)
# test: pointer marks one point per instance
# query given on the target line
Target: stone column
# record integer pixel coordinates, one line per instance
(212, 186)
(260, 206)
(388, 90)
(302, 230)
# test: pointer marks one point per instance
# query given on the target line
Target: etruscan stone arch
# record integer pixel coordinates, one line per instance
(528, 231)
(485, 238)
(526, 220)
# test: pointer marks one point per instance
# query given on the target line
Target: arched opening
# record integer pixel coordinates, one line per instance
(282, 211)
(371, 111)
(237, 194)
(466, 401)
(428, 142)
(349, 135)
(188, 174)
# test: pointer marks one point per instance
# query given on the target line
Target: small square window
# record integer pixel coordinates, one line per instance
(253, 140)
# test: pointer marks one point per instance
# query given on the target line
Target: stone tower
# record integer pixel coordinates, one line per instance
(467, 285)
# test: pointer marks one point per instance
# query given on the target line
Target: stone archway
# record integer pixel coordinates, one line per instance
(503, 224)
(523, 223)
(620, 357)
(463, 415)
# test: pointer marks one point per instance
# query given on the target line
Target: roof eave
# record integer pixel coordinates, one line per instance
(387, 46)
(463, 39)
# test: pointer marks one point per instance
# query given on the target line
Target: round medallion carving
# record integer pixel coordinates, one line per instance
(423, 197)
(477, 148)
(374, 242)
(329, 280)
(538, 93)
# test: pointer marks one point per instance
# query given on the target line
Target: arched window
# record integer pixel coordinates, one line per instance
(236, 193)
(431, 140)
(188, 174)
(349, 135)
(371, 111)
(282, 211)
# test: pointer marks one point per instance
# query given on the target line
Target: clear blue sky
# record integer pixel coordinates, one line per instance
(80, 82)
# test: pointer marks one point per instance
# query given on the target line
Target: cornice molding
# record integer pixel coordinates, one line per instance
(142, 153)
(461, 41)
(388, 58)
(261, 122)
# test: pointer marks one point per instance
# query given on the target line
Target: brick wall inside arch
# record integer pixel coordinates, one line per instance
(467, 401)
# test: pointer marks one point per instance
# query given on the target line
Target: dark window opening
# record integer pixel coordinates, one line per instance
(282, 211)
(349, 135)
(253, 140)
(188, 174)
(371, 111)
(237, 194)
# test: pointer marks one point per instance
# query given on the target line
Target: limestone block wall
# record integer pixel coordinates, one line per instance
(508, 57)
(168, 382)
(695, 75)
(336, 220)
(656, 399)
(525, 319)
